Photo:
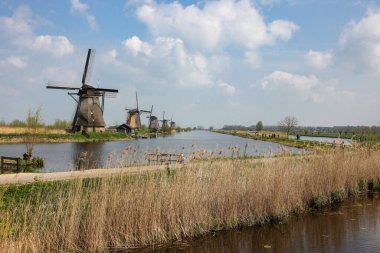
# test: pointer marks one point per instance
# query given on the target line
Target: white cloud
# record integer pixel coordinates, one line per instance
(135, 46)
(19, 28)
(77, 6)
(168, 60)
(228, 89)
(318, 60)
(289, 80)
(361, 43)
(252, 58)
(83, 9)
(15, 62)
(56, 45)
(215, 24)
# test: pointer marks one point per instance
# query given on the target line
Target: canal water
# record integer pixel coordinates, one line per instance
(322, 139)
(65, 156)
(351, 227)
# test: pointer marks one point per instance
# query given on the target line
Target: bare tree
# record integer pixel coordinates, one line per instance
(33, 123)
(288, 124)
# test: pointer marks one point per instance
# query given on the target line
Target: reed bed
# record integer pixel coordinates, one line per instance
(23, 130)
(124, 213)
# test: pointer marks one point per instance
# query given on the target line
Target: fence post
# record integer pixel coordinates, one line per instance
(2, 161)
(18, 164)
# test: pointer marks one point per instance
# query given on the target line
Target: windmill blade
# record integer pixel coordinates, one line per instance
(107, 90)
(88, 67)
(62, 86)
(137, 102)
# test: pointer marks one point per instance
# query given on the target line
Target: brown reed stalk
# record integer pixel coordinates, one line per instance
(122, 212)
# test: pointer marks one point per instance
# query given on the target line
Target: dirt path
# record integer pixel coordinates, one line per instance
(24, 178)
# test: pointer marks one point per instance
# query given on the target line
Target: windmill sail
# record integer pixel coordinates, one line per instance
(88, 67)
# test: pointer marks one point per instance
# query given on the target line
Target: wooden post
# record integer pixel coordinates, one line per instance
(2, 166)
(18, 165)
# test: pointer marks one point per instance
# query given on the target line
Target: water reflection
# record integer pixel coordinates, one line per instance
(65, 156)
(350, 227)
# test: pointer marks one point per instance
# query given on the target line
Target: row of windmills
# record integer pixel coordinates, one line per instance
(89, 100)
(133, 122)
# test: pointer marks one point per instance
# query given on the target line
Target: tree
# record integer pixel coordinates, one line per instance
(33, 123)
(259, 126)
(211, 128)
(288, 124)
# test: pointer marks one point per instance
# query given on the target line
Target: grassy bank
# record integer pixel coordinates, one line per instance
(61, 137)
(126, 212)
(303, 144)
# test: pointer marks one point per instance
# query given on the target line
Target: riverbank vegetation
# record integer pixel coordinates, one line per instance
(120, 213)
(278, 137)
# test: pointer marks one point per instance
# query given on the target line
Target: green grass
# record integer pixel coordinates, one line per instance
(303, 144)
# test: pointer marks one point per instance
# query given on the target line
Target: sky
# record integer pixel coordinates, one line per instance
(208, 63)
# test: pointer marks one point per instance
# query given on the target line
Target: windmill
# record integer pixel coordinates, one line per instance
(133, 119)
(153, 121)
(172, 123)
(164, 121)
(89, 112)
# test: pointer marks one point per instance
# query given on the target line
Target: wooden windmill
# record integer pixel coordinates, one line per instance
(172, 123)
(89, 112)
(153, 121)
(164, 122)
(133, 119)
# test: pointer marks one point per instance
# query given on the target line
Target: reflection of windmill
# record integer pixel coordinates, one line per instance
(133, 119)
(153, 121)
(89, 111)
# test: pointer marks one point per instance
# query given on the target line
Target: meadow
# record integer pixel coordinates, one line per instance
(128, 212)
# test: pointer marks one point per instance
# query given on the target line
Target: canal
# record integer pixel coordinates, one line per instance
(351, 227)
(65, 156)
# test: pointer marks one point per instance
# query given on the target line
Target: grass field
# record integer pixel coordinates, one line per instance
(120, 212)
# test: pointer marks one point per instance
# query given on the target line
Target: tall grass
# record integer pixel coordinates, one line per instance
(122, 212)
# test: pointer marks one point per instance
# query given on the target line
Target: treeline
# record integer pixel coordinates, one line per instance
(58, 123)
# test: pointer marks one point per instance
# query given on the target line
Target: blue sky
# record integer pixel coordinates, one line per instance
(205, 63)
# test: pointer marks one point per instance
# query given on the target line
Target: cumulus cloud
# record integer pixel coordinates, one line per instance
(56, 45)
(289, 80)
(167, 58)
(135, 46)
(227, 89)
(318, 60)
(19, 28)
(83, 10)
(360, 43)
(15, 62)
(214, 24)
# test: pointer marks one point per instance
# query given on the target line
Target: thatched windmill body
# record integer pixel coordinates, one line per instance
(153, 121)
(133, 118)
(164, 122)
(89, 111)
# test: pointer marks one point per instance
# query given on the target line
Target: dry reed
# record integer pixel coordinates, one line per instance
(127, 212)
(23, 130)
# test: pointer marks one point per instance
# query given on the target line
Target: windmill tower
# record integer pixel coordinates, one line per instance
(164, 124)
(172, 123)
(153, 121)
(133, 119)
(89, 111)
